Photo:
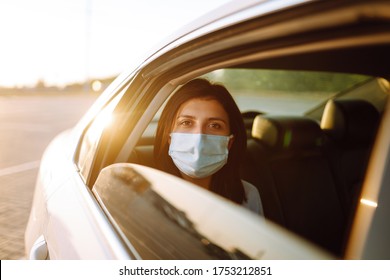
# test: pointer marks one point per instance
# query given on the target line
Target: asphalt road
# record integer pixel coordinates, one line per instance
(27, 124)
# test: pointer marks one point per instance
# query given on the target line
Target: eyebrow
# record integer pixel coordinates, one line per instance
(193, 117)
(185, 116)
(217, 119)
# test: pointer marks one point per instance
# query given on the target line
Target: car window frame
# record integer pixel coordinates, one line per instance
(104, 101)
(132, 106)
(150, 86)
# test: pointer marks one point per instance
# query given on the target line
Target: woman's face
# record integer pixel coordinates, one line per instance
(203, 116)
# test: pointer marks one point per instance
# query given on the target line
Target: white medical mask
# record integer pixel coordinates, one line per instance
(199, 155)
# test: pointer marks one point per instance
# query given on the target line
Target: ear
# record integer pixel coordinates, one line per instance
(231, 140)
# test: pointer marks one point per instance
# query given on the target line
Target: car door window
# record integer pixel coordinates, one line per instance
(160, 216)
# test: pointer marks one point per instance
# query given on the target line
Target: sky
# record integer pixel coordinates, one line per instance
(66, 41)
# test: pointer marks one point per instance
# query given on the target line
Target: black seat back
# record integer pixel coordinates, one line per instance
(301, 187)
(351, 126)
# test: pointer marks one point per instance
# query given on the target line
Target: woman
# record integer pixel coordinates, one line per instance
(201, 137)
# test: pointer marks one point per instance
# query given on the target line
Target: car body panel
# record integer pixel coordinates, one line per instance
(65, 214)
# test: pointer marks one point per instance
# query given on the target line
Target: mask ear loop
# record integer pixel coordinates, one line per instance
(231, 140)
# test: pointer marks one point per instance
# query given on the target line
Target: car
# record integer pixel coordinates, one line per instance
(311, 79)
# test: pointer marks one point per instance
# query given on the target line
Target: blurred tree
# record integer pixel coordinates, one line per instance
(40, 84)
(283, 80)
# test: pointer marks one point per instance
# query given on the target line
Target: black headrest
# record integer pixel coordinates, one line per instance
(350, 121)
(282, 132)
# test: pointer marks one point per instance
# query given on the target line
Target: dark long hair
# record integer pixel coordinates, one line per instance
(227, 181)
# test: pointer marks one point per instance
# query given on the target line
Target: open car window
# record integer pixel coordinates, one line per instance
(300, 170)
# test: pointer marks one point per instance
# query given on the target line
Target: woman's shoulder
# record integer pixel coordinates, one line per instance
(253, 200)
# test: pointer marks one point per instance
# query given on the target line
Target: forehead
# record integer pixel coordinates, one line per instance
(201, 107)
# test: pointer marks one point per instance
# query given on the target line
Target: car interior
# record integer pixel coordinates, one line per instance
(307, 166)
(309, 180)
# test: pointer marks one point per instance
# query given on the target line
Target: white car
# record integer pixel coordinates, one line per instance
(311, 81)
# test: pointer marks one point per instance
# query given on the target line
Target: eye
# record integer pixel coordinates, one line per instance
(185, 123)
(215, 125)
